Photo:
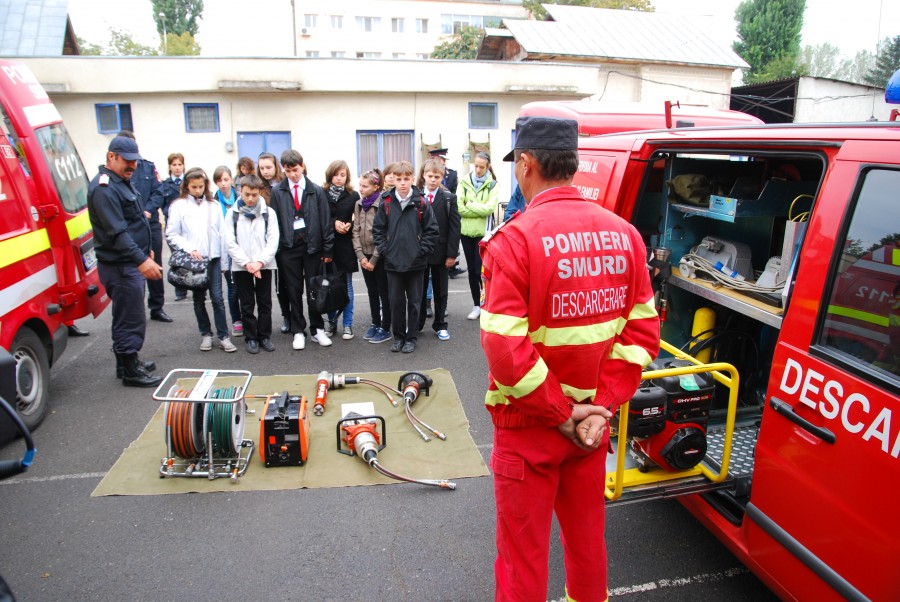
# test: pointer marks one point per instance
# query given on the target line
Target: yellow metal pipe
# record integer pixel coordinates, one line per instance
(618, 480)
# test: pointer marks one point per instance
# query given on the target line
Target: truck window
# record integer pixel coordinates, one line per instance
(6, 127)
(69, 176)
(862, 318)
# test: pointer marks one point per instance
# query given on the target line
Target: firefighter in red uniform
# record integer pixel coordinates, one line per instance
(567, 324)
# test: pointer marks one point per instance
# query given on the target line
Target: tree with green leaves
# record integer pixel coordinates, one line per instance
(120, 44)
(886, 63)
(181, 15)
(537, 11)
(461, 45)
(181, 45)
(769, 37)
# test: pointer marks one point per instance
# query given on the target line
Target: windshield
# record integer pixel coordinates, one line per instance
(68, 172)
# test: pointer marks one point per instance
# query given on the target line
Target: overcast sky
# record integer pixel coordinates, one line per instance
(851, 26)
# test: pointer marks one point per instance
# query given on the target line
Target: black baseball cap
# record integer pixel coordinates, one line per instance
(125, 148)
(545, 133)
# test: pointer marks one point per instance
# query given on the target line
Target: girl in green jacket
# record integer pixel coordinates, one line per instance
(477, 197)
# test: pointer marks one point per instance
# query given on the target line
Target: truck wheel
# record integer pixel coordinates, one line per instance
(32, 377)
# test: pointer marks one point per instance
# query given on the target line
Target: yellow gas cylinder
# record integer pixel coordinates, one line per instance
(704, 321)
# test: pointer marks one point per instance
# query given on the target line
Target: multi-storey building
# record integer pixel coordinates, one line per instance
(365, 29)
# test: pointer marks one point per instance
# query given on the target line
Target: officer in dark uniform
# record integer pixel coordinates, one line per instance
(146, 181)
(124, 258)
(450, 182)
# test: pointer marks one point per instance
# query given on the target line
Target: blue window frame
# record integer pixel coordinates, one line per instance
(377, 148)
(113, 118)
(483, 115)
(201, 117)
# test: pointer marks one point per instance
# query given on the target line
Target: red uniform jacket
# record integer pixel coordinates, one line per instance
(568, 313)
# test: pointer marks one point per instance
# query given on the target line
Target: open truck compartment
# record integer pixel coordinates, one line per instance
(741, 214)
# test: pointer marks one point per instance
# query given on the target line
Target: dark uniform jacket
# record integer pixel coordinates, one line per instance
(451, 179)
(447, 215)
(316, 215)
(405, 237)
(147, 183)
(121, 232)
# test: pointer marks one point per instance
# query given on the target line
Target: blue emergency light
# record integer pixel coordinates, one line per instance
(892, 91)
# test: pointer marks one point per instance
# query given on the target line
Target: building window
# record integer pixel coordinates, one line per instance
(113, 118)
(861, 321)
(337, 22)
(483, 115)
(453, 23)
(309, 21)
(312, 54)
(201, 117)
(368, 23)
(421, 25)
(379, 148)
(338, 54)
(423, 56)
(398, 55)
(368, 55)
(397, 25)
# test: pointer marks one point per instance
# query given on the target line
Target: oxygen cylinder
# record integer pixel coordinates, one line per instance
(704, 321)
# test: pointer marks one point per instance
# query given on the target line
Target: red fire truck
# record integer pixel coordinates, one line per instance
(793, 459)
(48, 274)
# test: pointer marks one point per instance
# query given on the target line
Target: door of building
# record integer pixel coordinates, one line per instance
(251, 144)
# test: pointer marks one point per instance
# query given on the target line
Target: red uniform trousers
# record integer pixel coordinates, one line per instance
(538, 471)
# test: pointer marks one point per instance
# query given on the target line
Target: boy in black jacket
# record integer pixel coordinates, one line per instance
(405, 233)
(443, 204)
(307, 237)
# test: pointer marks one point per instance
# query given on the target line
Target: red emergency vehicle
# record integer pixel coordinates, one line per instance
(809, 215)
(48, 273)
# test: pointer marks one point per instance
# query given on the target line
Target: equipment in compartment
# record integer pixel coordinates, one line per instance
(678, 442)
(735, 256)
(204, 424)
(284, 431)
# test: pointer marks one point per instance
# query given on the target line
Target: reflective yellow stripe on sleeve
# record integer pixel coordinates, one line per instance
(634, 354)
(857, 314)
(507, 326)
(528, 383)
(495, 398)
(643, 310)
(577, 394)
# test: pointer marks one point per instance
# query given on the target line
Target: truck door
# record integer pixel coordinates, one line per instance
(823, 507)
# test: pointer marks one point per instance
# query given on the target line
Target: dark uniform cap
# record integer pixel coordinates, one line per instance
(545, 133)
(125, 148)
(438, 152)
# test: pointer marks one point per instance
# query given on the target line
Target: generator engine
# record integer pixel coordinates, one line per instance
(667, 425)
(284, 431)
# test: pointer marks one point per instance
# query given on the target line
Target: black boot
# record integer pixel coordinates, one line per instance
(133, 375)
(141, 364)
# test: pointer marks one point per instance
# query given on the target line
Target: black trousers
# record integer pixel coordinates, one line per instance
(439, 279)
(255, 293)
(405, 290)
(124, 284)
(473, 263)
(280, 289)
(379, 299)
(156, 289)
(297, 267)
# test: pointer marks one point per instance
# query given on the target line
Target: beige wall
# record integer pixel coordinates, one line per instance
(324, 102)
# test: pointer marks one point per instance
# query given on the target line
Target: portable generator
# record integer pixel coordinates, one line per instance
(668, 417)
(284, 431)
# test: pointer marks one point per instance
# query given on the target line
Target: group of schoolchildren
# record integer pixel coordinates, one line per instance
(272, 223)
